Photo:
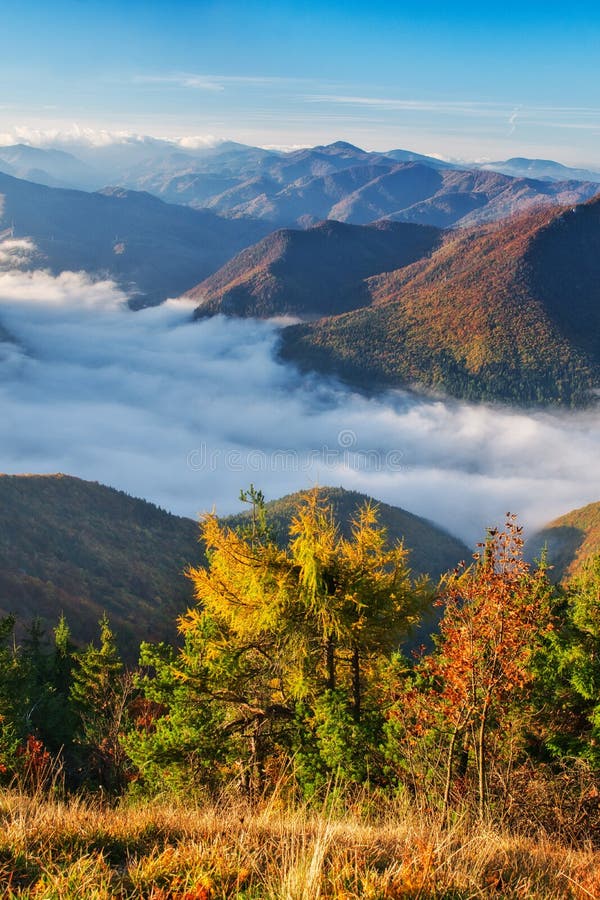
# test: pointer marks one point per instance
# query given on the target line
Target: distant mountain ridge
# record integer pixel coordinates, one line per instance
(154, 250)
(432, 550)
(344, 182)
(543, 169)
(376, 188)
(313, 272)
(304, 186)
(510, 312)
(54, 168)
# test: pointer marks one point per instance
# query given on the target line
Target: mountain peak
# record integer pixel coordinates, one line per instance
(343, 146)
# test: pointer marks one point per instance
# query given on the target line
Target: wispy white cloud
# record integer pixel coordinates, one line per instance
(77, 135)
(198, 82)
(202, 82)
(391, 103)
(593, 127)
(561, 117)
(15, 253)
(285, 148)
(512, 120)
(198, 141)
(74, 134)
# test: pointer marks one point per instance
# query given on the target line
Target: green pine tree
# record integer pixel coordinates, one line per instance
(99, 694)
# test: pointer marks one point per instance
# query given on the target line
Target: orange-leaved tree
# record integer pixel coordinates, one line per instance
(492, 614)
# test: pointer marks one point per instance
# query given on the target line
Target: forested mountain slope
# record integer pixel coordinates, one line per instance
(314, 272)
(509, 312)
(80, 548)
(569, 540)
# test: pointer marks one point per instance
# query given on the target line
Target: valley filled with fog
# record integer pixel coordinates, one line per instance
(185, 413)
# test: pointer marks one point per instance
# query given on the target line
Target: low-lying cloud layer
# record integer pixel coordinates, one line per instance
(186, 413)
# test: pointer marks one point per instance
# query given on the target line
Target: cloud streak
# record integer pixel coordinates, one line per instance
(200, 82)
(561, 117)
(186, 413)
(390, 103)
(512, 120)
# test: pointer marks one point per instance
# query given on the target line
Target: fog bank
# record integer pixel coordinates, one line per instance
(186, 413)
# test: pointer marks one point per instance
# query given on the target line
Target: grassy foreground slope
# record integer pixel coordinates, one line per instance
(510, 312)
(273, 852)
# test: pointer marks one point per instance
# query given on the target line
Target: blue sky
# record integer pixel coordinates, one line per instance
(458, 79)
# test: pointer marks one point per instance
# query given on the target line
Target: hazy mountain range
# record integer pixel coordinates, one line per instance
(406, 191)
(544, 169)
(120, 154)
(503, 309)
(405, 271)
(337, 181)
(153, 249)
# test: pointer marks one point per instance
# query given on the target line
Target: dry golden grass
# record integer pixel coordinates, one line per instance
(51, 850)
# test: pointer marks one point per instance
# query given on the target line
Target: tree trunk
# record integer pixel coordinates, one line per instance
(356, 684)
(481, 767)
(330, 652)
(255, 762)
(463, 759)
(449, 767)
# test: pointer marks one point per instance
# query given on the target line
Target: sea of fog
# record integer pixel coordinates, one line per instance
(186, 413)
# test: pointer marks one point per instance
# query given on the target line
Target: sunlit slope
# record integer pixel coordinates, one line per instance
(510, 313)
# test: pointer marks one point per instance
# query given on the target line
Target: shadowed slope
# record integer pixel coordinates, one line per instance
(153, 249)
(77, 547)
(311, 273)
